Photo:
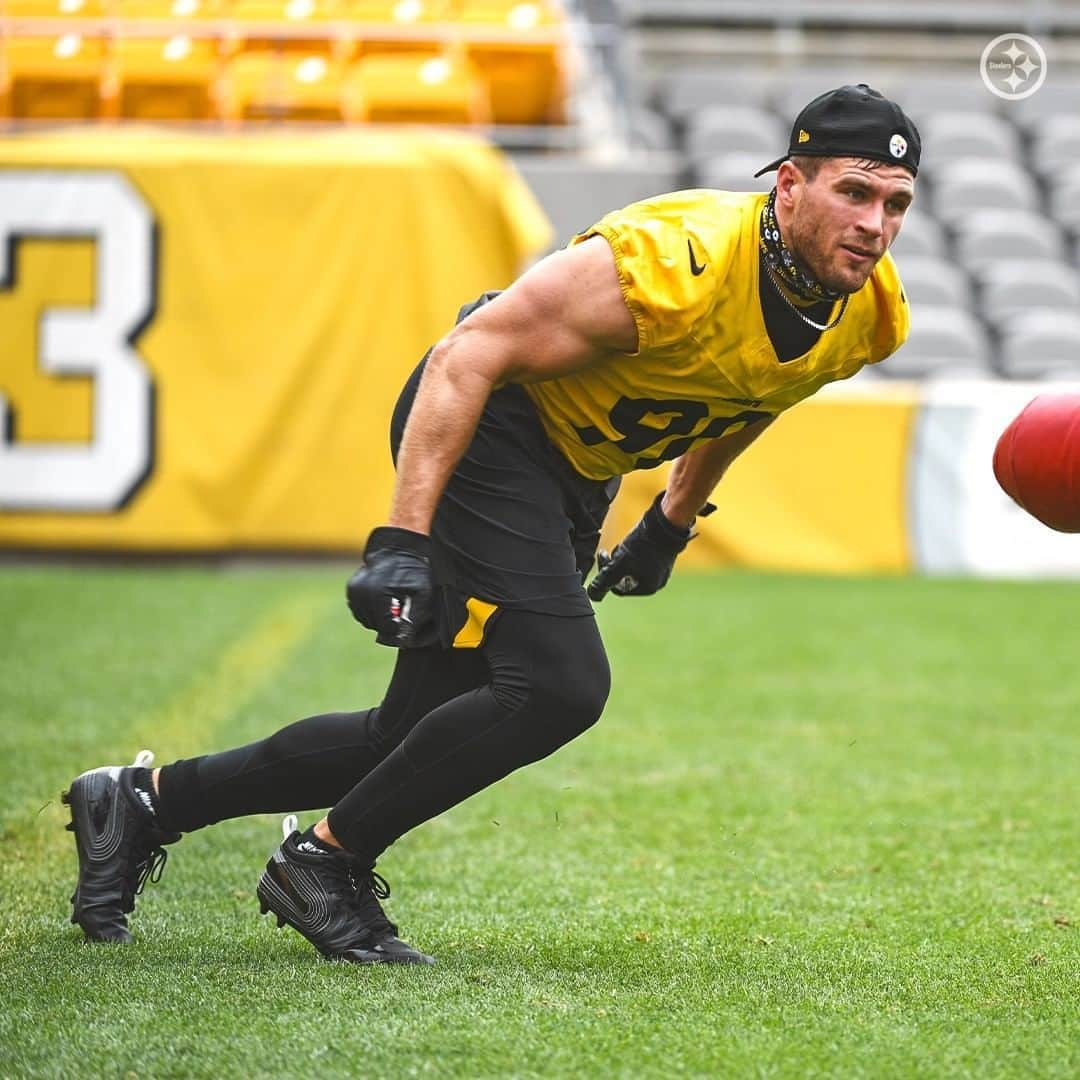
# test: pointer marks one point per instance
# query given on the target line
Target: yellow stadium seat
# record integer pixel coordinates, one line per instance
(400, 26)
(57, 9)
(399, 11)
(402, 88)
(302, 26)
(55, 78)
(511, 44)
(164, 79)
(179, 11)
(268, 87)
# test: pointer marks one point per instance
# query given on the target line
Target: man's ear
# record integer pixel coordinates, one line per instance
(788, 178)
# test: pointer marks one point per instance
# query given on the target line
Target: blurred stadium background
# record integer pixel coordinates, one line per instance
(273, 206)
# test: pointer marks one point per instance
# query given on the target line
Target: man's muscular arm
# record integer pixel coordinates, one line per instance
(563, 314)
(695, 474)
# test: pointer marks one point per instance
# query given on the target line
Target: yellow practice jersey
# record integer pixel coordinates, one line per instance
(689, 264)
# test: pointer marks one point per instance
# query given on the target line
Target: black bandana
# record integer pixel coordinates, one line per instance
(782, 263)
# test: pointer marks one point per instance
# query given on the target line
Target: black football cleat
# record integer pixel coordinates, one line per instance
(333, 901)
(120, 848)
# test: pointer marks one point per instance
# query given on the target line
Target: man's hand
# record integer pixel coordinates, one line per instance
(642, 563)
(392, 592)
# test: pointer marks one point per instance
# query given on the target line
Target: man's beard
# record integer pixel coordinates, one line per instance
(812, 260)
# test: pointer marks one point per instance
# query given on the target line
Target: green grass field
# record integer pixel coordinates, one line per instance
(825, 828)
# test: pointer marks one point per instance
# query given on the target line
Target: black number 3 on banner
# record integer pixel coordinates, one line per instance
(103, 474)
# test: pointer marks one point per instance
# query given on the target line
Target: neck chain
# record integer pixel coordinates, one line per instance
(798, 311)
(784, 272)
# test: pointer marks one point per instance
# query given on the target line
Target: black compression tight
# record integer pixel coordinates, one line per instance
(453, 721)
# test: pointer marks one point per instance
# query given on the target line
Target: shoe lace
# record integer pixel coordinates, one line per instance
(151, 868)
(146, 865)
(368, 888)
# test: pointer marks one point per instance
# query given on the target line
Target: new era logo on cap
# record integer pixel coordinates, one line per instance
(854, 121)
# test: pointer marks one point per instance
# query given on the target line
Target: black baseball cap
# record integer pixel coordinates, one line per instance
(854, 121)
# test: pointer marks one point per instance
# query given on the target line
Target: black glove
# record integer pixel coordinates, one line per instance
(642, 563)
(392, 592)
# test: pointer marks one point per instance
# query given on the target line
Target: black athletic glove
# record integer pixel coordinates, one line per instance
(392, 592)
(642, 563)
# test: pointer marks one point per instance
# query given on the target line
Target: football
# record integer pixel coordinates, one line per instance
(1037, 460)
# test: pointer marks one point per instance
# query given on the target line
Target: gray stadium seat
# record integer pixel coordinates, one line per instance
(682, 93)
(651, 130)
(725, 129)
(1065, 197)
(944, 341)
(1055, 142)
(923, 93)
(576, 193)
(795, 89)
(1059, 94)
(1012, 286)
(981, 183)
(1041, 344)
(733, 172)
(933, 281)
(984, 236)
(919, 235)
(950, 135)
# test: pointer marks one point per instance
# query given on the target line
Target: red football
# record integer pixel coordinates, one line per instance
(1037, 460)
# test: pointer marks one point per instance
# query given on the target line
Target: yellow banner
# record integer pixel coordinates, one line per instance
(823, 490)
(203, 338)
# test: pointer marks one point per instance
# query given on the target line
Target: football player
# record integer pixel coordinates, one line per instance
(676, 329)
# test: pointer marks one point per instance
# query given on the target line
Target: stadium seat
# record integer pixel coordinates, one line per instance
(723, 129)
(1055, 142)
(576, 193)
(297, 26)
(164, 79)
(1013, 286)
(922, 93)
(984, 236)
(416, 26)
(919, 235)
(650, 130)
(511, 46)
(944, 341)
(55, 78)
(1041, 344)
(795, 89)
(733, 172)
(968, 184)
(185, 12)
(262, 86)
(947, 136)
(1059, 94)
(1065, 197)
(402, 88)
(57, 9)
(929, 279)
(681, 94)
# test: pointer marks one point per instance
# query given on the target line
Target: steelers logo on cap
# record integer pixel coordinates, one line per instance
(898, 145)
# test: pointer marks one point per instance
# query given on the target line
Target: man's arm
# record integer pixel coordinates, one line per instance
(696, 473)
(563, 314)
(642, 563)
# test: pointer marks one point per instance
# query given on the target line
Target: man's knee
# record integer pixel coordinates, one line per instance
(561, 676)
(576, 700)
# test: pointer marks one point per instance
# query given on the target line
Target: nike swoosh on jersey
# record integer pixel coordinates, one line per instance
(695, 269)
